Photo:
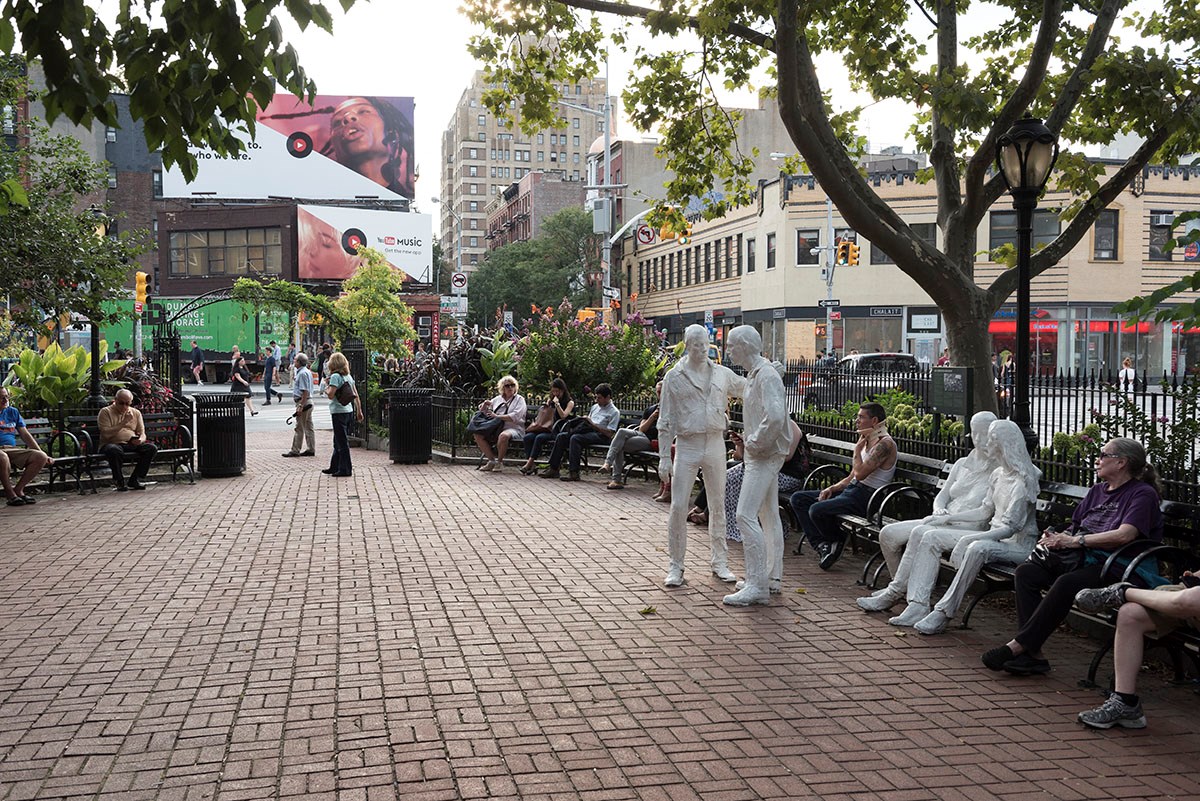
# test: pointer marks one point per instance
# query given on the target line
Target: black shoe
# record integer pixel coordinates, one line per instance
(134, 484)
(829, 553)
(291, 453)
(122, 488)
(340, 475)
(995, 658)
(267, 403)
(28, 500)
(17, 501)
(1026, 665)
(572, 475)
(328, 471)
(307, 453)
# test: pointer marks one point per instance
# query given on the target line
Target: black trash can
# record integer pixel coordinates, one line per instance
(220, 434)
(410, 425)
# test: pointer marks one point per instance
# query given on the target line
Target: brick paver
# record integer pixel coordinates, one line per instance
(429, 632)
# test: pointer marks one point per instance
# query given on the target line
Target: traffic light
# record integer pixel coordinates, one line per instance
(843, 252)
(666, 233)
(852, 254)
(686, 237)
(139, 290)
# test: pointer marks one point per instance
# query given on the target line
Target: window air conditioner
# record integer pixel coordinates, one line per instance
(1162, 219)
(425, 321)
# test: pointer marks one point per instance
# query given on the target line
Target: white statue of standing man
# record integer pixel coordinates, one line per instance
(766, 442)
(695, 395)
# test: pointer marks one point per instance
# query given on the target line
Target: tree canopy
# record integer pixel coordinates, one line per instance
(193, 69)
(540, 272)
(57, 257)
(1064, 63)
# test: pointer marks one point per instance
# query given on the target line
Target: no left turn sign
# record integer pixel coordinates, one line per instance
(645, 234)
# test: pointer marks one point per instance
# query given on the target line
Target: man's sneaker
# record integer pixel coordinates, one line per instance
(1026, 665)
(1114, 712)
(881, 601)
(829, 553)
(572, 475)
(549, 472)
(1096, 600)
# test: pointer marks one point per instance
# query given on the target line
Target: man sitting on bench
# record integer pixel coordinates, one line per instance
(122, 431)
(29, 459)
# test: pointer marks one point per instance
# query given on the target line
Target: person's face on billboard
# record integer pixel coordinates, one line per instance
(356, 131)
(321, 251)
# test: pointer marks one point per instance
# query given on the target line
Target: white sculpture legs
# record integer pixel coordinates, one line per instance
(694, 452)
(968, 557)
(900, 543)
(762, 531)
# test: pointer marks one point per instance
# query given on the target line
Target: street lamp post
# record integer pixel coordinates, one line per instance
(1025, 155)
(96, 399)
(457, 255)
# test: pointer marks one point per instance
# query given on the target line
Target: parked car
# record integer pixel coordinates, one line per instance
(861, 377)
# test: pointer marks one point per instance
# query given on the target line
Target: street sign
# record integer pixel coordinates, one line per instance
(612, 293)
(508, 318)
(708, 317)
(137, 307)
(832, 303)
(835, 315)
(459, 282)
(449, 304)
(645, 234)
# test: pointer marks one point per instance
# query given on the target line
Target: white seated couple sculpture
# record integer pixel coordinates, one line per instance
(695, 395)
(984, 513)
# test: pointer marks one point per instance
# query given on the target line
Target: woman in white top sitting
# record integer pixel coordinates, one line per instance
(511, 408)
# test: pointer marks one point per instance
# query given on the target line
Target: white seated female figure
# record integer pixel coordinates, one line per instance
(958, 506)
(1010, 537)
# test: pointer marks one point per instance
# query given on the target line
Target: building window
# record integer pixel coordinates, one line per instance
(806, 240)
(473, 241)
(1104, 235)
(562, 157)
(575, 122)
(927, 232)
(110, 134)
(482, 136)
(1004, 228)
(154, 234)
(770, 251)
(112, 177)
(541, 139)
(707, 261)
(553, 156)
(554, 139)
(575, 157)
(1160, 232)
(473, 205)
(473, 171)
(575, 140)
(156, 182)
(473, 153)
(541, 155)
(238, 251)
(474, 223)
(482, 119)
(474, 258)
(750, 255)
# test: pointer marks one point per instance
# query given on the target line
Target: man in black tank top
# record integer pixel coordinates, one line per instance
(874, 465)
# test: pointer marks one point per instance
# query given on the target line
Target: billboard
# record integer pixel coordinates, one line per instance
(338, 147)
(328, 238)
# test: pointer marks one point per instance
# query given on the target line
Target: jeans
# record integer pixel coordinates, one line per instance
(536, 442)
(115, 453)
(573, 445)
(268, 377)
(626, 440)
(819, 518)
(1038, 617)
(339, 463)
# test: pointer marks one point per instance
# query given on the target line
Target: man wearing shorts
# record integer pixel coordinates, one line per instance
(1160, 611)
(28, 458)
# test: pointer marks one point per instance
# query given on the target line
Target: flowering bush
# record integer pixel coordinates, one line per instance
(583, 353)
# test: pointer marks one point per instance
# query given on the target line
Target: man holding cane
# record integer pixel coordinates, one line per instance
(302, 388)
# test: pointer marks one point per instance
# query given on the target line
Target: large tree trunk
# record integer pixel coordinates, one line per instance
(970, 344)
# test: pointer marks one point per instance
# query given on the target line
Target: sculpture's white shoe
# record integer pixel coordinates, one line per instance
(724, 573)
(674, 577)
(774, 586)
(747, 597)
(933, 623)
(911, 615)
(880, 601)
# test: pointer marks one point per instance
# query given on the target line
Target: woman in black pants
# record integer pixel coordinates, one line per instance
(1118, 510)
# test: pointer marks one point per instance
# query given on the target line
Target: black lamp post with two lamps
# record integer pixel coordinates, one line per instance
(1025, 155)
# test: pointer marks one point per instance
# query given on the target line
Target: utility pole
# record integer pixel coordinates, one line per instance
(830, 265)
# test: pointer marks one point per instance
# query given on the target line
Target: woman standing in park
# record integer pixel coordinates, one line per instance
(341, 412)
(239, 381)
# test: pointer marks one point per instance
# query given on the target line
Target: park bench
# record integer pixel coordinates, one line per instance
(646, 460)
(64, 447)
(176, 447)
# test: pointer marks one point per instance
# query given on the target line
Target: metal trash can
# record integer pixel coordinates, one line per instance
(410, 425)
(220, 434)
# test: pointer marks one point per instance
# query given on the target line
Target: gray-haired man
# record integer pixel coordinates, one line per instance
(302, 396)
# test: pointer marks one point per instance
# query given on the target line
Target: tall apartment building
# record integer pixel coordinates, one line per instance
(481, 158)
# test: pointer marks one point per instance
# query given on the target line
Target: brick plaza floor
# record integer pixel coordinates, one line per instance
(429, 632)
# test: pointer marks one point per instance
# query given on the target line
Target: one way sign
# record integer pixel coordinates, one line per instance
(832, 303)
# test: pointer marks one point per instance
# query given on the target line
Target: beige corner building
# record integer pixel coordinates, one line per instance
(758, 266)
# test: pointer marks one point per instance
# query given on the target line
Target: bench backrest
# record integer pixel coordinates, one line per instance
(161, 428)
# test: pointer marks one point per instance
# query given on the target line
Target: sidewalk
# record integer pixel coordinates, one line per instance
(430, 632)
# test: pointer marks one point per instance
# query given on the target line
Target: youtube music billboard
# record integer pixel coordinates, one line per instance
(339, 147)
(328, 238)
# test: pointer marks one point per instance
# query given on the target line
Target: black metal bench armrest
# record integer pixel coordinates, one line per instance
(822, 469)
(66, 440)
(1126, 551)
(1178, 557)
(899, 492)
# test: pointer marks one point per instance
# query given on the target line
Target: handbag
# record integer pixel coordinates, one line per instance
(1058, 561)
(345, 394)
(487, 426)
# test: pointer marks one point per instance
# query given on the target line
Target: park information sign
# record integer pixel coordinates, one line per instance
(328, 238)
(339, 147)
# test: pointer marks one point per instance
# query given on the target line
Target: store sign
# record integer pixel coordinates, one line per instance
(886, 311)
(778, 314)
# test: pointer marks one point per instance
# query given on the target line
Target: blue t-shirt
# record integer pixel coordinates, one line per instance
(10, 421)
(335, 381)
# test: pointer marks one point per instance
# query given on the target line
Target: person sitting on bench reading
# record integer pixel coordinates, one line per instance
(122, 431)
